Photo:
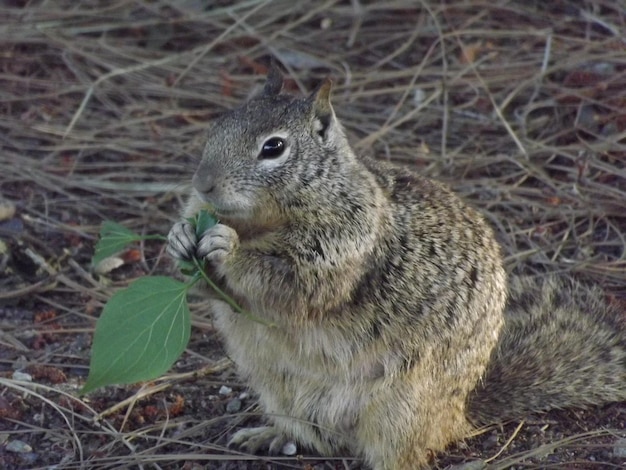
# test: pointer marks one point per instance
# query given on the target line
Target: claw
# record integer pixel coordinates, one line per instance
(182, 241)
(264, 437)
(217, 243)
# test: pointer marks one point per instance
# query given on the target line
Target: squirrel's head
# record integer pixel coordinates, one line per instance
(264, 156)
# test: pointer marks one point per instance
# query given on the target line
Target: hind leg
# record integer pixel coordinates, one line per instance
(403, 429)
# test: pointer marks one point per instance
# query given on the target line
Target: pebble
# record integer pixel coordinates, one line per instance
(289, 449)
(107, 265)
(23, 376)
(473, 465)
(29, 459)
(619, 448)
(233, 406)
(18, 447)
(7, 209)
(491, 442)
(224, 390)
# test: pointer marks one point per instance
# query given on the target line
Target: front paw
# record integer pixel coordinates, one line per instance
(217, 244)
(182, 241)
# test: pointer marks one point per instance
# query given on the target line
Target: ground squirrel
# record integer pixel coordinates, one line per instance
(392, 333)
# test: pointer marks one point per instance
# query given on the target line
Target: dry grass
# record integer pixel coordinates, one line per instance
(520, 106)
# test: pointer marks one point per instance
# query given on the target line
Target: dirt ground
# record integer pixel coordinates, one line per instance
(519, 106)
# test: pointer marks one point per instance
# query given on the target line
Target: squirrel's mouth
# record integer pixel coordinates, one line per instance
(231, 211)
(222, 212)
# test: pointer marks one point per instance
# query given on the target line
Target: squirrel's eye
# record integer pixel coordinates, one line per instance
(272, 148)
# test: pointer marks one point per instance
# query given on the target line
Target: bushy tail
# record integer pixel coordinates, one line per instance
(563, 345)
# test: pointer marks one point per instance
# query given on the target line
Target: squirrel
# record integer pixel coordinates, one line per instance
(395, 329)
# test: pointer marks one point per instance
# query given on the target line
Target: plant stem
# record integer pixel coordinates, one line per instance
(225, 297)
(152, 237)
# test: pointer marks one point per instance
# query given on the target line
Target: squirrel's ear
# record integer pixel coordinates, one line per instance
(321, 97)
(322, 108)
(274, 82)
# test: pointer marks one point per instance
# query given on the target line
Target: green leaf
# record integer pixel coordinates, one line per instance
(203, 221)
(143, 329)
(113, 239)
(187, 267)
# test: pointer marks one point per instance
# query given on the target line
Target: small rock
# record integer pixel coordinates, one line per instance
(23, 376)
(18, 447)
(619, 448)
(21, 362)
(29, 458)
(7, 209)
(603, 68)
(107, 265)
(233, 406)
(194, 466)
(224, 390)
(244, 395)
(491, 442)
(419, 96)
(473, 465)
(289, 448)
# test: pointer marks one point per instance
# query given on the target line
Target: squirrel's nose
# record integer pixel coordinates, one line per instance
(203, 181)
